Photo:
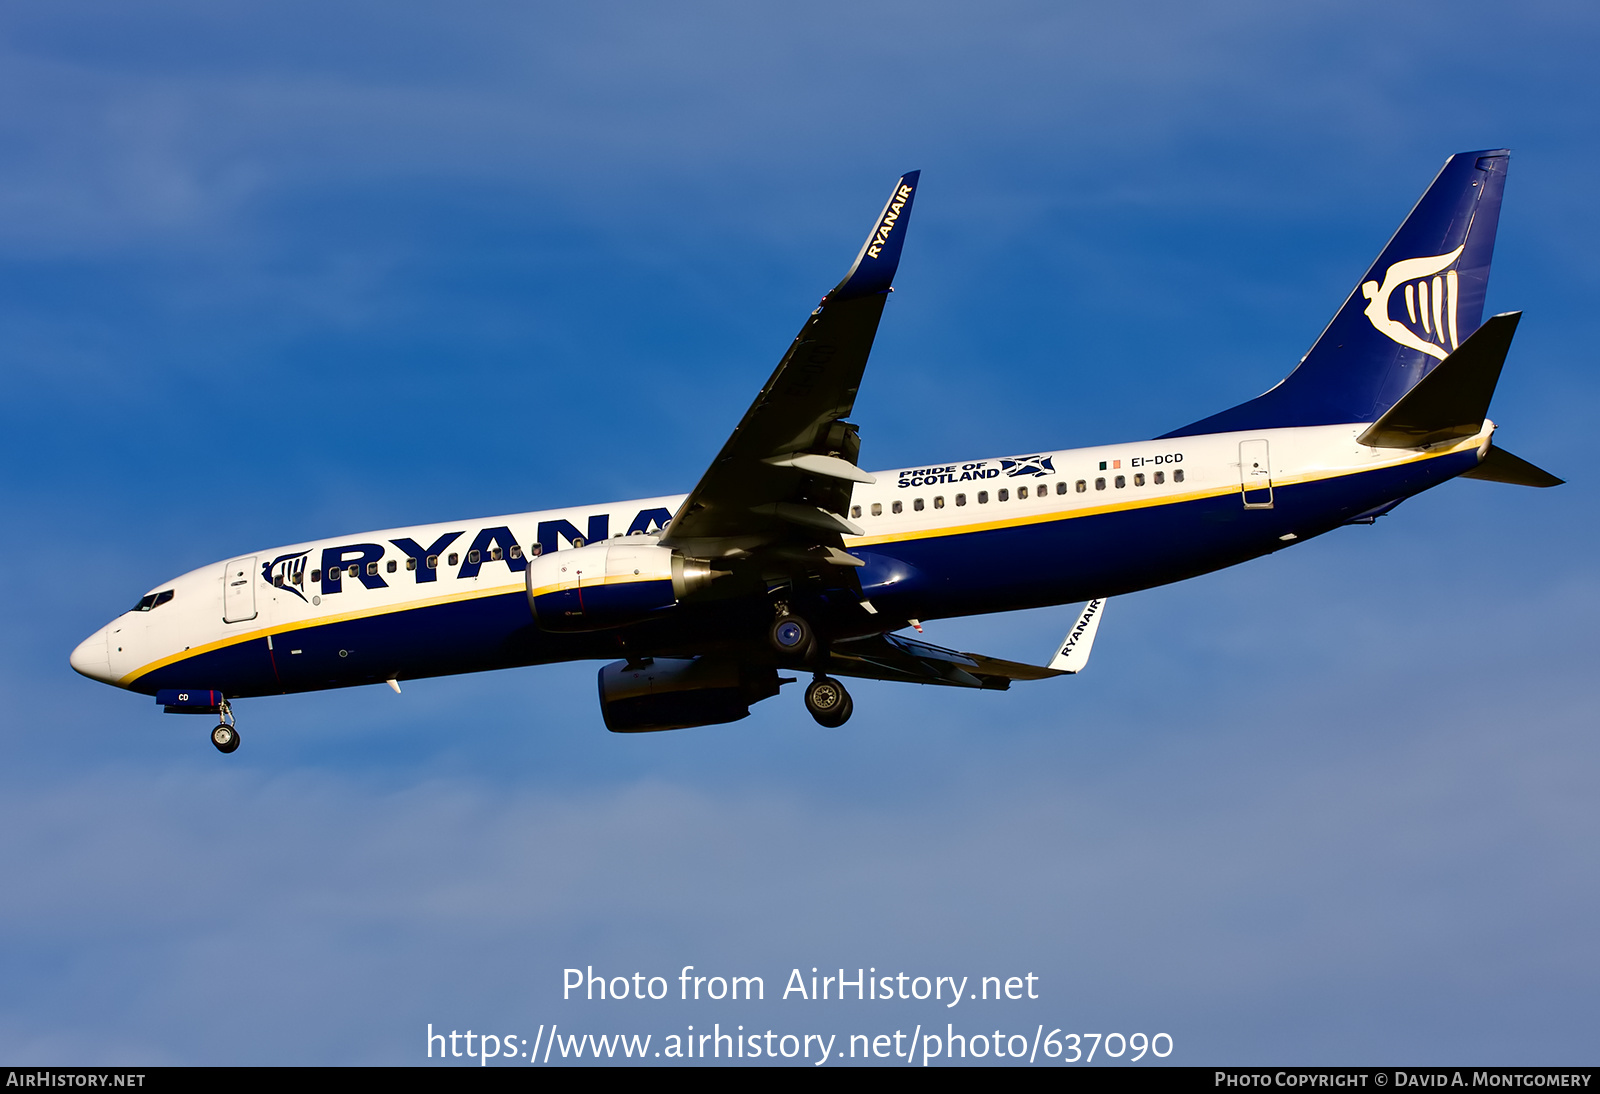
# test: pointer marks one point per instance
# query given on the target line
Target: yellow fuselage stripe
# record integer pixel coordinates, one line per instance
(1145, 502)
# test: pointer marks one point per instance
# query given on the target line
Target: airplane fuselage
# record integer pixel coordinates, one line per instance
(951, 539)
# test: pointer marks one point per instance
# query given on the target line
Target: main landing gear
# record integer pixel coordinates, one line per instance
(795, 642)
(225, 736)
(792, 639)
(828, 702)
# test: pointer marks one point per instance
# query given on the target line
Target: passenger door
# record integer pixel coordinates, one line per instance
(239, 590)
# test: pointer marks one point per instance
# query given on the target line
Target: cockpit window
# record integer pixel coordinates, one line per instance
(154, 600)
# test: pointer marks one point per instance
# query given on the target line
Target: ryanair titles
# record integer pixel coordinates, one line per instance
(324, 571)
(886, 225)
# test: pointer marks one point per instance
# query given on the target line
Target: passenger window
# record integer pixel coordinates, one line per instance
(277, 579)
(453, 559)
(855, 510)
(1177, 476)
(355, 568)
(1099, 484)
(1022, 493)
(372, 569)
(1138, 480)
(578, 542)
(334, 574)
(877, 509)
(393, 566)
(1061, 487)
(938, 502)
(495, 556)
(917, 505)
(411, 564)
(316, 575)
(1081, 487)
(961, 499)
(537, 549)
(983, 497)
(474, 555)
(1161, 477)
(1005, 495)
(516, 549)
(897, 507)
(1122, 480)
(432, 562)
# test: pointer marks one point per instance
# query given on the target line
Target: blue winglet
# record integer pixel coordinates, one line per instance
(875, 266)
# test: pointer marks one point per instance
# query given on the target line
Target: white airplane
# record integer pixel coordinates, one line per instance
(787, 554)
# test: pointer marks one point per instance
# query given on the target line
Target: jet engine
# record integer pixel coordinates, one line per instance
(609, 584)
(661, 693)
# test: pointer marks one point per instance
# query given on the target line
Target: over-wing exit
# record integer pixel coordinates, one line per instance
(787, 557)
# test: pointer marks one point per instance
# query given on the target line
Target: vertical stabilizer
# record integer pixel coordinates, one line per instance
(1418, 302)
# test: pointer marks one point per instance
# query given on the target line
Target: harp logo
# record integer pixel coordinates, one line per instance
(287, 572)
(1431, 297)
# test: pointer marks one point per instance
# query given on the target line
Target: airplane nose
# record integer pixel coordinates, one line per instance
(92, 659)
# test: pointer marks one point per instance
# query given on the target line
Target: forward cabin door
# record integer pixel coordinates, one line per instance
(239, 590)
(1255, 474)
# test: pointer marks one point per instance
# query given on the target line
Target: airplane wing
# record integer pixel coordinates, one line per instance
(904, 659)
(908, 660)
(781, 485)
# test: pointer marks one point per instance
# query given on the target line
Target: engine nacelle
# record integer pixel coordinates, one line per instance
(660, 693)
(609, 584)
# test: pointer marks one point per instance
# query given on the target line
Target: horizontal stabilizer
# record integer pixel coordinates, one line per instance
(1073, 654)
(1452, 401)
(1501, 466)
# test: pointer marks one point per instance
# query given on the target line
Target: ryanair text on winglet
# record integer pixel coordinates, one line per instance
(881, 236)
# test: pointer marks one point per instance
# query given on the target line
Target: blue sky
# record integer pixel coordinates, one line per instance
(274, 272)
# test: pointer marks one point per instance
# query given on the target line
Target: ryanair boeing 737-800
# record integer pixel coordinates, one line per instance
(787, 555)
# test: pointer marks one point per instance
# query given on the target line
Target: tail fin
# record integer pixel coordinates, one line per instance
(1420, 300)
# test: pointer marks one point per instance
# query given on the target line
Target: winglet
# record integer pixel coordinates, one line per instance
(1074, 652)
(875, 266)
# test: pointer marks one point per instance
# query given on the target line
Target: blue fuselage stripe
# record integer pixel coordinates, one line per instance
(1057, 561)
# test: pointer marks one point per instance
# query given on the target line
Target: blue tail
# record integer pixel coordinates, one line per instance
(1420, 300)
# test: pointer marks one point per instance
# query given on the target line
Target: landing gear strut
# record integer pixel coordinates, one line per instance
(828, 702)
(225, 736)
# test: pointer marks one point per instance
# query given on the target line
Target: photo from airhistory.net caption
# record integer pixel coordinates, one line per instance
(963, 1019)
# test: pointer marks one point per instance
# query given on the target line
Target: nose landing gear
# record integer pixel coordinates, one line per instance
(225, 736)
(828, 702)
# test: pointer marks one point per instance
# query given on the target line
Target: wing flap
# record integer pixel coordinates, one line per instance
(908, 660)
